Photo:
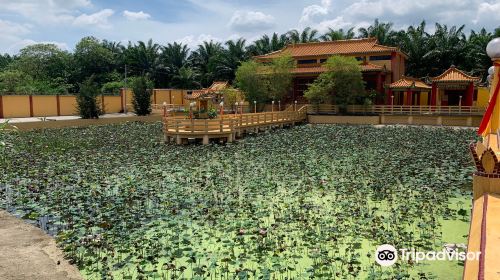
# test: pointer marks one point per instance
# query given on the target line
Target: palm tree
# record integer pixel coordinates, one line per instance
(230, 59)
(186, 78)
(266, 44)
(382, 31)
(307, 35)
(340, 34)
(446, 47)
(144, 58)
(203, 61)
(174, 57)
(476, 59)
(415, 43)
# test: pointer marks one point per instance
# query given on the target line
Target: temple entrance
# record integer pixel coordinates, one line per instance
(452, 97)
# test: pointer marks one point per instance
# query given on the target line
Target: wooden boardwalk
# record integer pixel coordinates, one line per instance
(227, 127)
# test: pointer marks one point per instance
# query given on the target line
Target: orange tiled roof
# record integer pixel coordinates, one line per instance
(341, 47)
(407, 83)
(365, 67)
(453, 75)
(206, 92)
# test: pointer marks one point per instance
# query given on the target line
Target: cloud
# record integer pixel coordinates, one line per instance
(487, 11)
(310, 13)
(99, 19)
(136, 15)
(336, 23)
(251, 21)
(45, 11)
(193, 41)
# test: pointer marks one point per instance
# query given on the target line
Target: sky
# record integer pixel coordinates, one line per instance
(65, 22)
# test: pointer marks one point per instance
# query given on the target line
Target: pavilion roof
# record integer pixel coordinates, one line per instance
(454, 75)
(340, 47)
(208, 93)
(409, 83)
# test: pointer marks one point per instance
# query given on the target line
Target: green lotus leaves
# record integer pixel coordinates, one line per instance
(309, 202)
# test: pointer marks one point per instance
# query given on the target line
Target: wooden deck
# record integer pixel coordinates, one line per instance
(227, 127)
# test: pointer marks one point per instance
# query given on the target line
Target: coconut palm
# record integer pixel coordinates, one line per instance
(380, 30)
(186, 78)
(174, 57)
(340, 34)
(230, 59)
(446, 47)
(307, 35)
(268, 44)
(144, 58)
(203, 61)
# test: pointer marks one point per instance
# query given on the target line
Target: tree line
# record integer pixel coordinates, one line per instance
(47, 69)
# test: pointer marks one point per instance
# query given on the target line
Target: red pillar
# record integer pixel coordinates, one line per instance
(469, 96)
(31, 105)
(1, 107)
(58, 102)
(434, 94)
(409, 98)
(394, 65)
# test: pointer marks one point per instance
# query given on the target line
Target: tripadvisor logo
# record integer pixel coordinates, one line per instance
(387, 255)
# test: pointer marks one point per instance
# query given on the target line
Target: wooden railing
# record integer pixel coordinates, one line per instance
(230, 122)
(397, 110)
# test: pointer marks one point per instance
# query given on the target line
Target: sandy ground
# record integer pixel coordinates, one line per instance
(26, 252)
(61, 118)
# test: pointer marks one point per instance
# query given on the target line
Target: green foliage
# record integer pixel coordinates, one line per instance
(142, 88)
(342, 83)
(87, 104)
(112, 88)
(186, 78)
(212, 113)
(251, 82)
(92, 58)
(309, 202)
(280, 77)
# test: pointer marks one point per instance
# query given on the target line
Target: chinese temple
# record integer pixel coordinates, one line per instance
(379, 64)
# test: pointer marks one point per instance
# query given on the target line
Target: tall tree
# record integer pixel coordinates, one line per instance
(91, 58)
(203, 60)
(446, 48)
(174, 57)
(340, 34)
(230, 59)
(415, 43)
(307, 35)
(380, 30)
(268, 44)
(144, 58)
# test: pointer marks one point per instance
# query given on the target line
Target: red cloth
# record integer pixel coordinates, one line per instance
(489, 111)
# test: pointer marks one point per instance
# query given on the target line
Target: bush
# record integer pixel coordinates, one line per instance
(141, 87)
(86, 99)
(342, 83)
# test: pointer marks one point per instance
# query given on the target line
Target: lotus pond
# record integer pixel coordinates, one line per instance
(307, 202)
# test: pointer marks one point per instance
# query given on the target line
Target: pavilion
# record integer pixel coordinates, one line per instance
(408, 91)
(203, 96)
(453, 88)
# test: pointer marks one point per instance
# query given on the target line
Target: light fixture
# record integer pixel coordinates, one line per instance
(493, 48)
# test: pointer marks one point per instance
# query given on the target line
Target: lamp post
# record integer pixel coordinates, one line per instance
(222, 108)
(295, 106)
(392, 103)
(272, 106)
(191, 105)
(236, 108)
(164, 109)
(279, 105)
(460, 104)
(255, 107)
(493, 51)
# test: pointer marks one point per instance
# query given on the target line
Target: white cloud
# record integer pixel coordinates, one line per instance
(99, 19)
(45, 11)
(310, 13)
(487, 11)
(136, 15)
(193, 41)
(336, 23)
(251, 21)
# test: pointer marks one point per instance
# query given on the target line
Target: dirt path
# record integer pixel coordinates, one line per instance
(26, 252)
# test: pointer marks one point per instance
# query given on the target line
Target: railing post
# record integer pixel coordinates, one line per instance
(221, 124)
(206, 126)
(192, 125)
